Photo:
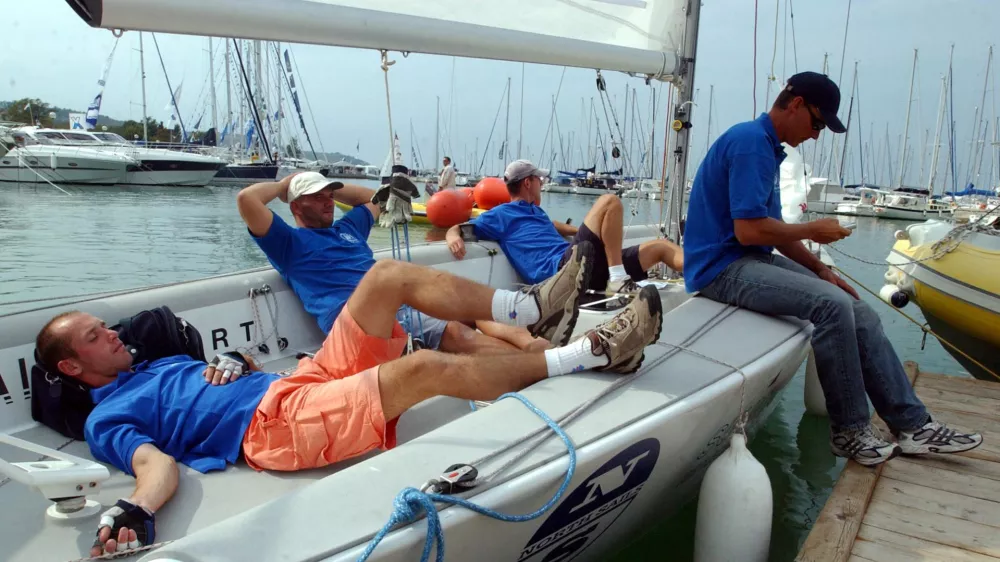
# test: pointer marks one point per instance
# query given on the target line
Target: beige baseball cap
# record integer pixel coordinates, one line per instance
(307, 183)
(520, 169)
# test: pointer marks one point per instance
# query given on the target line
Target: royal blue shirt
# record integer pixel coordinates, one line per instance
(168, 403)
(738, 179)
(322, 265)
(527, 236)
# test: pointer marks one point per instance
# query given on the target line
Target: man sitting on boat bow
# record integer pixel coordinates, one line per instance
(323, 261)
(535, 244)
(734, 224)
(342, 402)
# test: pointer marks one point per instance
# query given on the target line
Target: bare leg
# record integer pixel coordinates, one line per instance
(661, 251)
(605, 220)
(518, 337)
(407, 381)
(460, 338)
(390, 284)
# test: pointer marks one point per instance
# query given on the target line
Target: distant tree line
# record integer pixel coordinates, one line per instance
(23, 110)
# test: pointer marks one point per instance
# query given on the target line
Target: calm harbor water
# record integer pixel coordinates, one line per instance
(56, 245)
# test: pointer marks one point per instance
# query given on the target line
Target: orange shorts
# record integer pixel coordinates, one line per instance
(330, 409)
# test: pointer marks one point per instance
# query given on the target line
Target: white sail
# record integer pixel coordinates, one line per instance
(640, 36)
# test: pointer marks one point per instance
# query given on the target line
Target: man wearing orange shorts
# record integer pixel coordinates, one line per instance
(341, 403)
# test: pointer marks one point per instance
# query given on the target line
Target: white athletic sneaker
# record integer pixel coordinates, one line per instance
(935, 437)
(863, 445)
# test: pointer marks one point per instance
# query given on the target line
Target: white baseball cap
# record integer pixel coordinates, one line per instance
(307, 183)
(520, 169)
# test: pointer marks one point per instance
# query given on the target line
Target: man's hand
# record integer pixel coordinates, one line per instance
(225, 368)
(395, 200)
(285, 183)
(825, 231)
(830, 277)
(457, 247)
(125, 526)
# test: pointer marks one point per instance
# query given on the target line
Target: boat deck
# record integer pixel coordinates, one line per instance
(935, 507)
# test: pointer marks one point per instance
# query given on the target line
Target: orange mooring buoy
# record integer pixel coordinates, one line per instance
(491, 192)
(447, 208)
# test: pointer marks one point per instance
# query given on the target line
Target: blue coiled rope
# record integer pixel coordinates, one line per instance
(411, 502)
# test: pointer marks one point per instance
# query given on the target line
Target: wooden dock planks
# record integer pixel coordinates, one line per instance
(935, 508)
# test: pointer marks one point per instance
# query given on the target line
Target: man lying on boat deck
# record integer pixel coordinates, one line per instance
(734, 224)
(343, 402)
(323, 261)
(535, 246)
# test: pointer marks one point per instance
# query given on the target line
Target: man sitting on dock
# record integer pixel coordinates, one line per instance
(323, 261)
(342, 402)
(734, 224)
(536, 247)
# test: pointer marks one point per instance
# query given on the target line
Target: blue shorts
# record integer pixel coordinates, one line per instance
(427, 329)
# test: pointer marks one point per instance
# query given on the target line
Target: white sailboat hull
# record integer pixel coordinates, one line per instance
(900, 213)
(678, 415)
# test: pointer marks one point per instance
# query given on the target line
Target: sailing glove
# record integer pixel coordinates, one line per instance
(131, 516)
(395, 200)
(229, 366)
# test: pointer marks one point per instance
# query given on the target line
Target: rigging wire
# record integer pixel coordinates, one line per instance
(795, 51)
(771, 78)
(754, 59)
(253, 104)
(493, 128)
(305, 95)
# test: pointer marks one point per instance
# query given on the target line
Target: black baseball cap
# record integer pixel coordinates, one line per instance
(818, 90)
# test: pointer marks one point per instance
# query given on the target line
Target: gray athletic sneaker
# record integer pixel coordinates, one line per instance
(624, 338)
(935, 437)
(863, 445)
(624, 287)
(558, 297)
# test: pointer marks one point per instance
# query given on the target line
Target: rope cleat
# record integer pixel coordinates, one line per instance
(456, 478)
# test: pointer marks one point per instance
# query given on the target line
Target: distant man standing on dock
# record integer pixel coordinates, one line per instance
(734, 225)
(447, 178)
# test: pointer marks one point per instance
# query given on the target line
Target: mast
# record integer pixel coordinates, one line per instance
(437, 132)
(229, 95)
(520, 115)
(211, 83)
(682, 124)
(258, 86)
(936, 150)
(906, 126)
(142, 72)
(652, 130)
(708, 129)
(819, 146)
(847, 132)
(978, 152)
(506, 127)
(277, 110)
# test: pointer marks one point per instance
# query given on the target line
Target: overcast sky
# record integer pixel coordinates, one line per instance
(51, 54)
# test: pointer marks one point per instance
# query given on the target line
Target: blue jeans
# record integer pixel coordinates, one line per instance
(852, 353)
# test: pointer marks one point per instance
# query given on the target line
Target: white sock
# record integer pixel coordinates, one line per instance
(573, 358)
(617, 272)
(515, 308)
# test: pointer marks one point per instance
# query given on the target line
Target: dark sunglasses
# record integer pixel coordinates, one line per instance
(817, 122)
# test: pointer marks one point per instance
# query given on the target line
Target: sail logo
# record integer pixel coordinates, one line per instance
(590, 509)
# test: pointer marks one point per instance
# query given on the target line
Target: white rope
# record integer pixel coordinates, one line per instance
(386, 63)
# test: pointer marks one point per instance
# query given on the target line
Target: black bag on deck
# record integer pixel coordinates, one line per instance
(63, 403)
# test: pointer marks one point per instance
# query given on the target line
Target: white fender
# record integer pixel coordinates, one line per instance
(813, 392)
(734, 508)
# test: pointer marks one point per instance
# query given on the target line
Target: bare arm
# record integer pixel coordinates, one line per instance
(155, 483)
(769, 232)
(454, 240)
(565, 229)
(355, 195)
(252, 203)
(155, 477)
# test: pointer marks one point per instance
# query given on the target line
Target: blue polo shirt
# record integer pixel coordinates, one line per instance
(738, 179)
(322, 265)
(527, 236)
(168, 403)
